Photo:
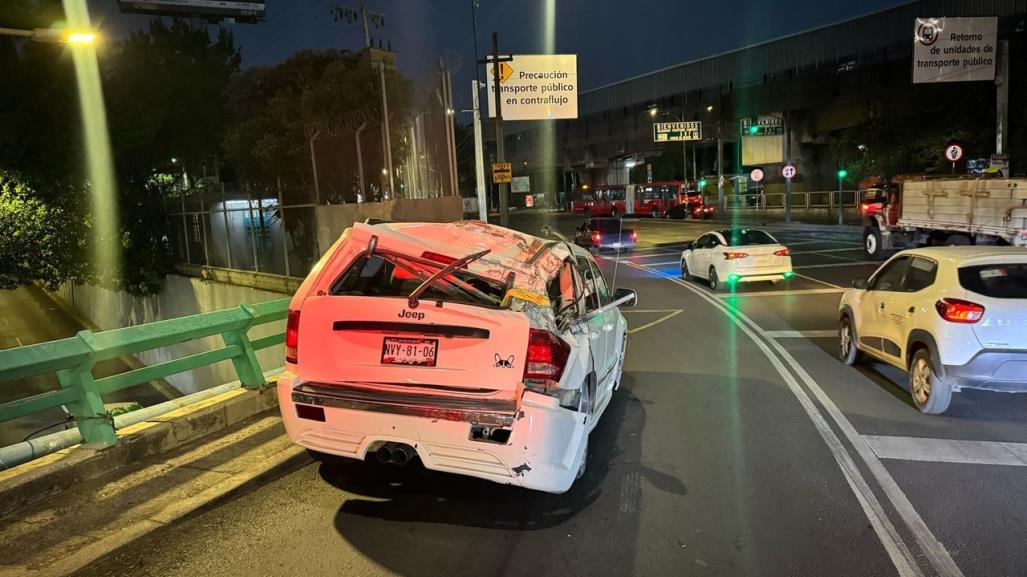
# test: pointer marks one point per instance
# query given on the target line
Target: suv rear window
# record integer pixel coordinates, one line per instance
(377, 277)
(1000, 281)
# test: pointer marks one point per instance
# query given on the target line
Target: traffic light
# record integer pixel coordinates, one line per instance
(754, 130)
(842, 173)
(702, 183)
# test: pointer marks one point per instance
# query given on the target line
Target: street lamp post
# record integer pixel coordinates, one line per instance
(842, 173)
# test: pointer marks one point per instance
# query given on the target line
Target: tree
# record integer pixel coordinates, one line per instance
(273, 106)
(34, 242)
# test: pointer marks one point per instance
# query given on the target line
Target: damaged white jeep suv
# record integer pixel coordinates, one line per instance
(479, 350)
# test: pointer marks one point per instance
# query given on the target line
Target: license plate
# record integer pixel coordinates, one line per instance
(412, 352)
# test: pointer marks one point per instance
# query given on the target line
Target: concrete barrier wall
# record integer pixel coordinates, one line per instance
(181, 296)
(332, 219)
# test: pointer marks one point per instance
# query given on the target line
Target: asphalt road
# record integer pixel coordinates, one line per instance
(28, 316)
(737, 445)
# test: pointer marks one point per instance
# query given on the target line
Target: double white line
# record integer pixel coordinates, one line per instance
(903, 559)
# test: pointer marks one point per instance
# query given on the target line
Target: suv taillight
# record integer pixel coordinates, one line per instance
(959, 311)
(292, 336)
(547, 355)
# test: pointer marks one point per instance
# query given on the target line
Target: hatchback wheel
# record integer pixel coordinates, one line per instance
(848, 353)
(930, 394)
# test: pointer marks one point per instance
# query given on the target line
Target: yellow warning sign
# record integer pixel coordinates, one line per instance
(505, 72)
(502, 172)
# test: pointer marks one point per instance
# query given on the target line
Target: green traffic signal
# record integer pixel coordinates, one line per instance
(702, 183)
(842, 173)
(754, 129)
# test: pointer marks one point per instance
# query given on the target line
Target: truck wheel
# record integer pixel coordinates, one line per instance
(872, 242)
(930, 394)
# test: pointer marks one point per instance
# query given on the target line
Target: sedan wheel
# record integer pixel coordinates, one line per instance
(930, 394)
(714, 281)
(684, 271)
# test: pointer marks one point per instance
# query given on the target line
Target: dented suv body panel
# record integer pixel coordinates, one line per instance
(485, 374)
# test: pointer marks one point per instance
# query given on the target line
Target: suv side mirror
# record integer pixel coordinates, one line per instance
(624, 293)
(860, 283)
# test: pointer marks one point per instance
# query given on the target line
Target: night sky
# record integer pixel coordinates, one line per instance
(614, 39)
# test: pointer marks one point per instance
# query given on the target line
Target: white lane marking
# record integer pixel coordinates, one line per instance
(897, 550)
(827, 250)
(781, 293)
(643, 311)
(18, 340)
(834, 264)
(948, 450)
(801, 334)
(656, 322)
(823, 282)
(662, 263)
(668, 253)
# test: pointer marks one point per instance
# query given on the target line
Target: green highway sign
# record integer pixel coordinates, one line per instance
(677, 131)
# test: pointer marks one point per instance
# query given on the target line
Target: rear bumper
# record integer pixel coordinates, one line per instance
(1004, 371)
(764, 275)
(543, 451)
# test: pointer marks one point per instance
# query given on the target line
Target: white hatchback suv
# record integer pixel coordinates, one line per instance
(480, 350)
(952, 317)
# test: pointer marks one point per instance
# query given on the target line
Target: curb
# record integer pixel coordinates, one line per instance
(273, 467)
(53, 473)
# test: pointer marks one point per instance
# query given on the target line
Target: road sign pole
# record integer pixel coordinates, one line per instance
(788, 200)
(840, 208)
(479, 153)
(504, 201)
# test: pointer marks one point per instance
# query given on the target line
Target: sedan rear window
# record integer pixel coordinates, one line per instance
(378, 277)
(1000, 281)
(747, 237)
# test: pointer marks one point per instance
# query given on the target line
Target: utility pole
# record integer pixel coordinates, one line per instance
(479, 160)
(386, 136)
(1002, 98)
(496, 60)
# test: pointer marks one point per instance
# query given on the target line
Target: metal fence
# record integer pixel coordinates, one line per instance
(800, 200)
(243, 227)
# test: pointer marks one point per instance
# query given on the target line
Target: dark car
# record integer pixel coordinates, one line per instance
(690, 210)
(605, 233)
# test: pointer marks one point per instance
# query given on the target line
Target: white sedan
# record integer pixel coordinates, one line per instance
(734, 256)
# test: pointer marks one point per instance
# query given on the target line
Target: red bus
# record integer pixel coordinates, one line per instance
(655, 198)
(598, 201)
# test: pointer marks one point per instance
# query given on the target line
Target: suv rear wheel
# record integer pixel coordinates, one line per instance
(930, 394)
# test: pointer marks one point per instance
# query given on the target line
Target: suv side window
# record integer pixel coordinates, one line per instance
(921, 274)
(591, 292)
(890, 277)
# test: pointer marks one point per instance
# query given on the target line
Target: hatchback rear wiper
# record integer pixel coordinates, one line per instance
(412, 300)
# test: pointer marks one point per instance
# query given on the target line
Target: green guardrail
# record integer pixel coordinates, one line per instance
(73, 360)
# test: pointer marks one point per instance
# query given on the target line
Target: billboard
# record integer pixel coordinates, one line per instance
(954, 49)
(536, 87)
(251, 11)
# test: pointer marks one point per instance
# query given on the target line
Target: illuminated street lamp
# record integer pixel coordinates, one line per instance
(53, 35)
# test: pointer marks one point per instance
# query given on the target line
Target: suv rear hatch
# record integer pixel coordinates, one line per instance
(453, 345)
(1000, 286)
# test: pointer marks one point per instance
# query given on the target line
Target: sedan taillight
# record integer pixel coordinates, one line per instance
(734, 255)
(783, 252)
(292, 336)
(959, 311)
(547, 355)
